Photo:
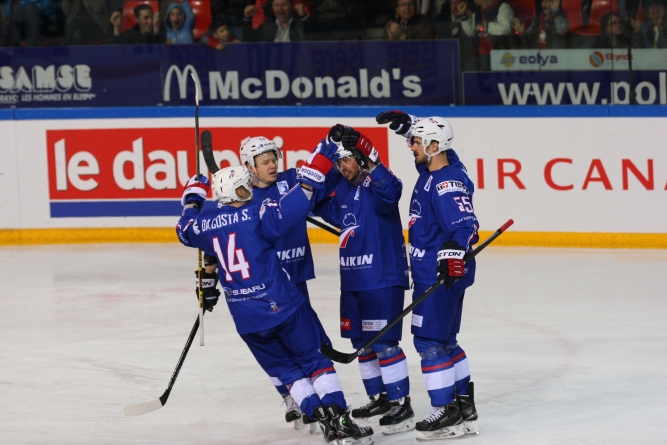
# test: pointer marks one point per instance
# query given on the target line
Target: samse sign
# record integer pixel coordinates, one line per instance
(141, 171)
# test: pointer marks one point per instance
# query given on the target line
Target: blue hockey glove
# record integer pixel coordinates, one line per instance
(318, 164)
(209, 288)
(451, 267)
(196, 191)
(400, 122)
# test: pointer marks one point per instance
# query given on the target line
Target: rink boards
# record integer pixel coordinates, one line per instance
(568, 176)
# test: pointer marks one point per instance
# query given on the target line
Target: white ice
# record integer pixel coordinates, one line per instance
(565, 347)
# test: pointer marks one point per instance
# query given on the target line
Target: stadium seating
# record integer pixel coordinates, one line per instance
(202, 11)
(572, 8)
(598, 9)
(524, 10)
(128, 20)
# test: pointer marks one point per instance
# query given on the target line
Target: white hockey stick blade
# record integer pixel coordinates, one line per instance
(142, 408)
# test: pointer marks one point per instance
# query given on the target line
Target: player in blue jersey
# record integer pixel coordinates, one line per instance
(260, 156)
(442, 228)
(374, 274)
(270, 313)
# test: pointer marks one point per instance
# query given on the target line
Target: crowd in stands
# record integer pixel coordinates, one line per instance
(479, 25)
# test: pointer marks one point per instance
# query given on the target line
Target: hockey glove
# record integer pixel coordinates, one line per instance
(195, 191)
(209, 288)
(361, 146)
(337, 131)
(400, 122)
(451, 267)
(318, 164)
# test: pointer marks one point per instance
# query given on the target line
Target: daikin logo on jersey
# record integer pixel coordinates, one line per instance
(141, 172)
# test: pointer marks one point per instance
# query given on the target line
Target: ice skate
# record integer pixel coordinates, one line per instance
(377, 406)
(292, 413)
(313, 426)
(327, 424)
(349, 431)
(468, 412)
(444, 422)
(400, 418)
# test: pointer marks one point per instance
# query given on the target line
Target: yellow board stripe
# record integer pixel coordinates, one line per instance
(10, 237)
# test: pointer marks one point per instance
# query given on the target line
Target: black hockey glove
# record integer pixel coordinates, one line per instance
(361, 146)
(400, 122)
(209, 288)
(451, 267)
(337, 131)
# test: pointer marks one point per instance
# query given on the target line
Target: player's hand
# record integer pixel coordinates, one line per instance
(337, 131)
(361, 146)
(400, 122)
(196, 191)
(209, 288)
(451, 267)
(318, 164)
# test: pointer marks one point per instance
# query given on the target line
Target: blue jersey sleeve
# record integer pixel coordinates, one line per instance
(452, 204)
(278, 217)
(329, 210)
(386, 189)
(187, 231)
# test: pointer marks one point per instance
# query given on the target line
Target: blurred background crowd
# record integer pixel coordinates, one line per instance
(479, 25)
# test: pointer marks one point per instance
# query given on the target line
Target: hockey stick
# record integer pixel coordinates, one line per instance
(342, 357)
(147, 407)
(200, 289)
(207, 150)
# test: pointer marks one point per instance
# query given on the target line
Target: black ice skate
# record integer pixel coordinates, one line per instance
(292, 412)
(327, 425)
(468, 412)
(444, 422)
(400, 418)
(349, 431)
(377, 406)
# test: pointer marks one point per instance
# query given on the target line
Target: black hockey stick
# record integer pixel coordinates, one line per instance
(207, 150)
(200, 289)
(147, 407)
(342, 357)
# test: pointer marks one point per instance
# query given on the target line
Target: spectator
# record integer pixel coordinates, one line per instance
(262, 10)
(549, 29)
(87, 22)
(653, 32)
(448, 26)
(612, 33)
(490, 26)
(287, 27)
(29, 20)
(219, 35)
(179, 22)
(408, 25)
(146, 30)
(230, 9)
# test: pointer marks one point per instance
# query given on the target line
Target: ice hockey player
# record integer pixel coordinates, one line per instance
(374, 274)
(261, 156)
(442, 228)
(270, 314)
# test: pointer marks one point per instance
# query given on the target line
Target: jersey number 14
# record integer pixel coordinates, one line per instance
(234, 261)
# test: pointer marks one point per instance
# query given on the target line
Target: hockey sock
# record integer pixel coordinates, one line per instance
(394, 368)
(369, 367)
(461, 369)
(438, 373)
(327, 386)
(282, 389)
(304, 395)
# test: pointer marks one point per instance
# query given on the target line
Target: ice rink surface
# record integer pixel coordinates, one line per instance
(565, 347)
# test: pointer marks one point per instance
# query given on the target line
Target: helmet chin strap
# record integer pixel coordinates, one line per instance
(428, 156)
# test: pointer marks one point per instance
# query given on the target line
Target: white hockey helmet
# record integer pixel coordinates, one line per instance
(434, 129)
(227, 180)
(256, 145)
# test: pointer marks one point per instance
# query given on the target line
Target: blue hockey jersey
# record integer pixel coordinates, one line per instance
(372, 249)
(441, 210)
(258, 292)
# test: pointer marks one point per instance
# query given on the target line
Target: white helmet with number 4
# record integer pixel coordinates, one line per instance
(227, 180)
(432, 129)
(257, 145)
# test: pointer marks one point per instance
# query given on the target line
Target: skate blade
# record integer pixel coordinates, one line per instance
(402, 427)
(362, 441)
(313, 428)
(445, 433)
(298, 424)
(470, 427)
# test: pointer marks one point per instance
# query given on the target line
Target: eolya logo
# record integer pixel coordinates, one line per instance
(507, 60)
(350, 223)
(415, 212)
(596, 59)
